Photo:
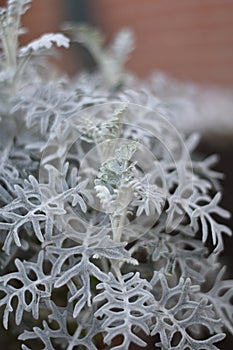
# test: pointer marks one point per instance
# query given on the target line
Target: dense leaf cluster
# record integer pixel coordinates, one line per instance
(102, 206)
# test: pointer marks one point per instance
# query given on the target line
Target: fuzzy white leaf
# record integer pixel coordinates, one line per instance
(46, 41)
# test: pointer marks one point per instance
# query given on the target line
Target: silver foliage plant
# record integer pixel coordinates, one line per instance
(109, 222)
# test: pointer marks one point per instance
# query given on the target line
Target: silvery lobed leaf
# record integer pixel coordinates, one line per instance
(177, 317)
(46, 41)
(38, 289)
(126, 309)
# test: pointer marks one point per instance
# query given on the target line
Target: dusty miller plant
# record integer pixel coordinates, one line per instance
(109, 230)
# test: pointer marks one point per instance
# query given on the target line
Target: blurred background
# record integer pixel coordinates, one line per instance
(189, 40)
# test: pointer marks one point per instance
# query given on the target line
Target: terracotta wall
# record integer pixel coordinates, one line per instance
(192, 39)
(43, 16)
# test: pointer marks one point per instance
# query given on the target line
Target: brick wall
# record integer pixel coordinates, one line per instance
(43, 16)
(192, 39)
